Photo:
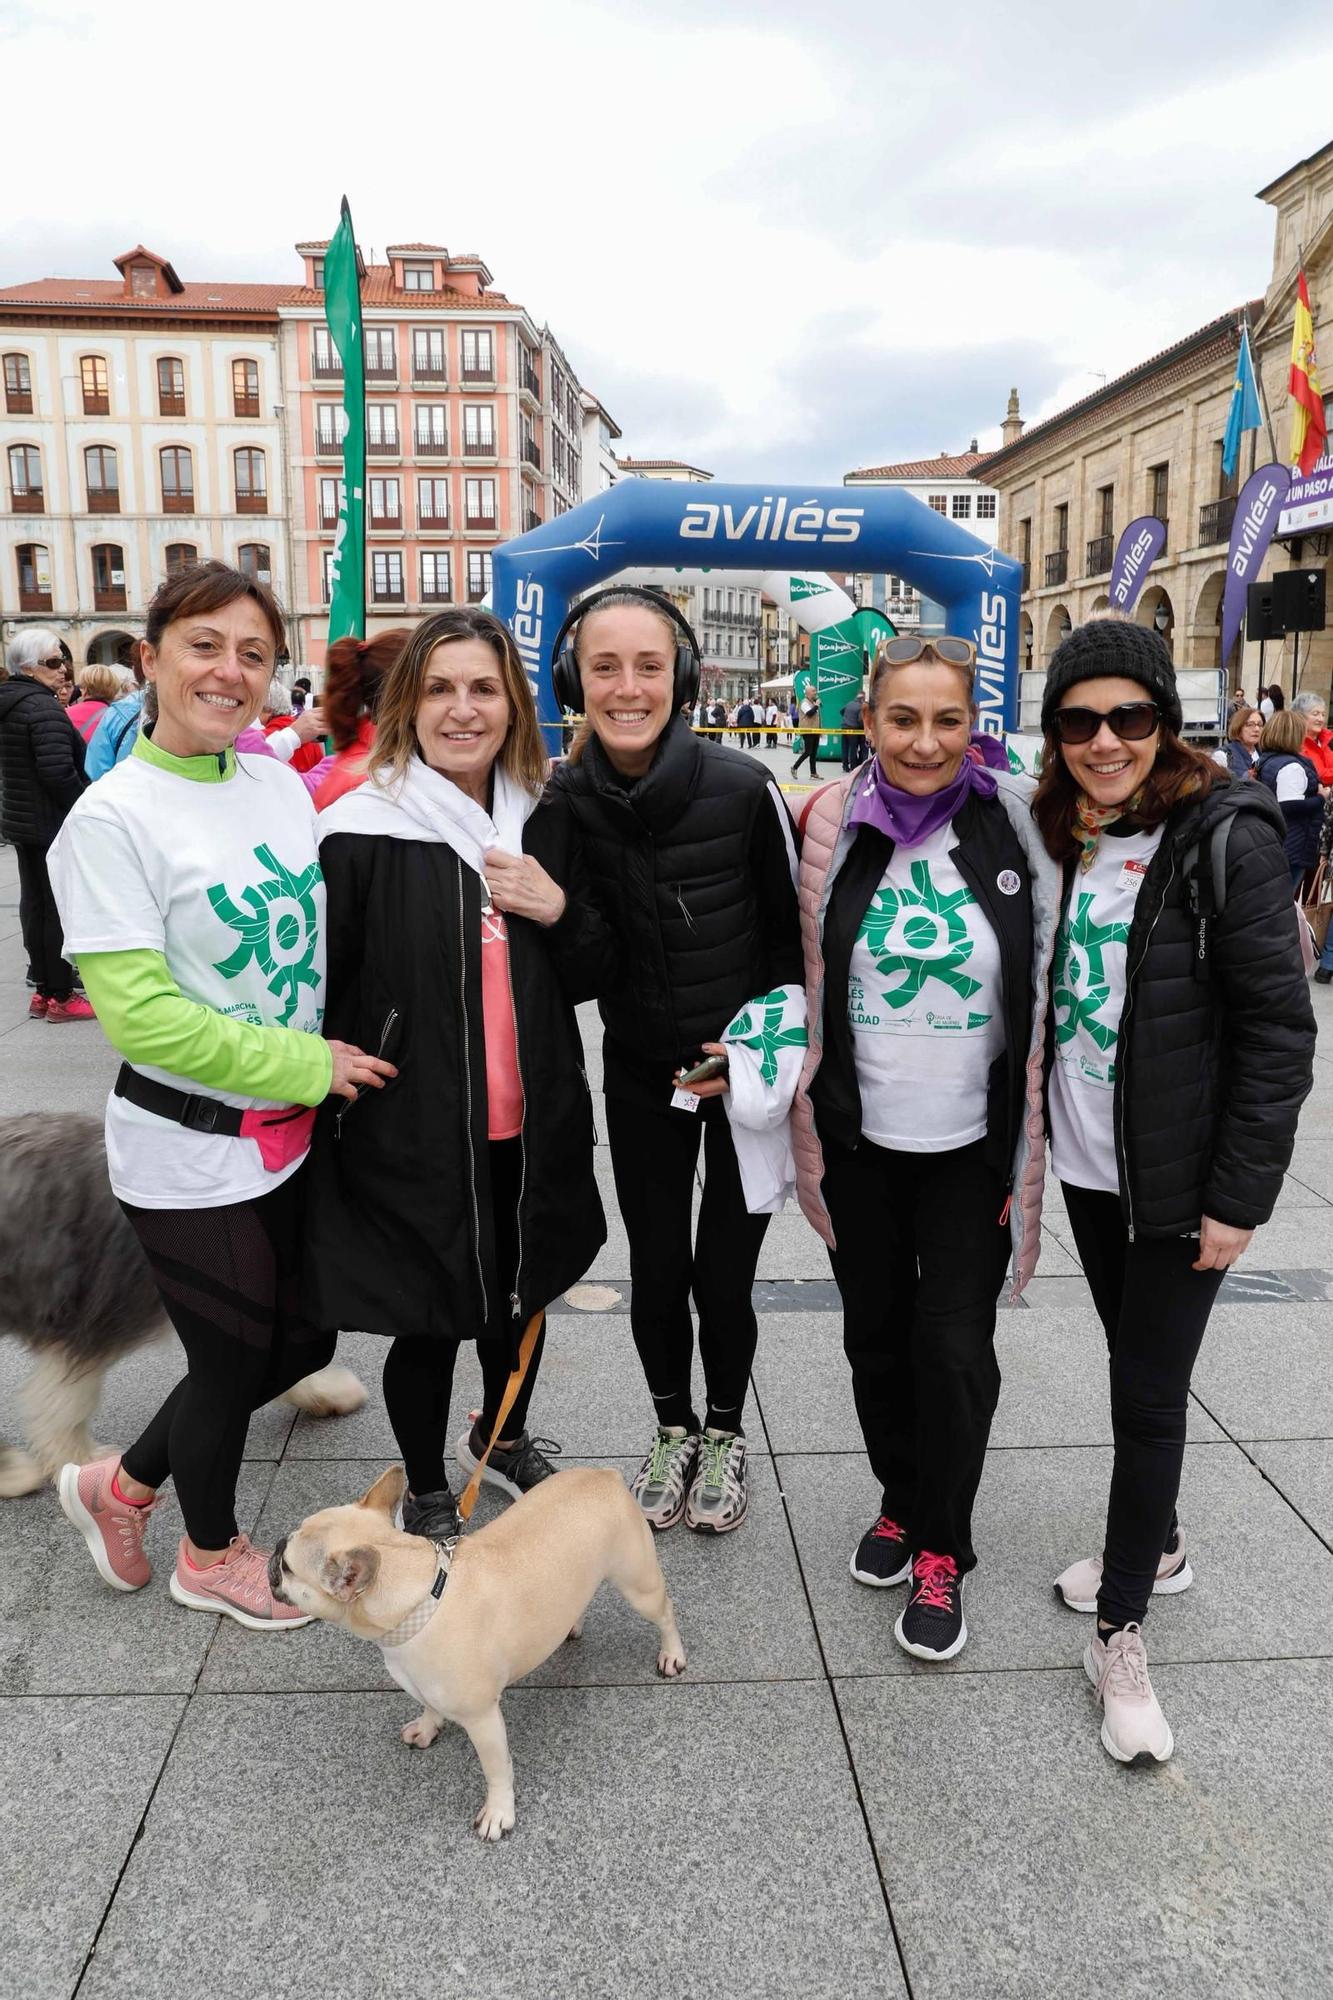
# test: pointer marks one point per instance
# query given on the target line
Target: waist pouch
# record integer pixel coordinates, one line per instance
(282, 1132)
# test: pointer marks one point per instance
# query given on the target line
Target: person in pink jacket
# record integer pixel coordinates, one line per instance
(928, 914)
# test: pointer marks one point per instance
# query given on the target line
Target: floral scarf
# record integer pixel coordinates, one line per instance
(1091, 822)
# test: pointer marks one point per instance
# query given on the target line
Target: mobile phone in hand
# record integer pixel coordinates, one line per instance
(705, 1071)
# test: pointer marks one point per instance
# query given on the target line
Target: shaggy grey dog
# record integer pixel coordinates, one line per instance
(76, 1290)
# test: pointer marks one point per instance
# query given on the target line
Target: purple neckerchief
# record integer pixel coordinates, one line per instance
(906, 818)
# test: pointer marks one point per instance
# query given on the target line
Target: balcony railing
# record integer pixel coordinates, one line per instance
(475, 592)
(384, 447)
(386, 521)
(104, 500)
(429, 371)
(327, 519)
(109, 597)
(382, 371)
(532, 452)
(531, 520)
(432, 524)
(387, 593)
(532, 383)
(170, 403)
(484, 524)
(435, 593)
(482, 447)
(1215, 519)
(1025, 576)
(432, 446)
(34, 600)
(246, 406)
(96, 406)
(252, 503)
(327, 368)
(32, 501)
(178, 503)
(18, 402)
(1100, 550)
(479, 371)
(1057, 567)
(328, 446)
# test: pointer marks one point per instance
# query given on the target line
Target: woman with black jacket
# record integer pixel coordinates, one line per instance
(457, 1203)
(928, 908)
(690, 912)
(1182, 1050)
(1294, 783)
(41, 778)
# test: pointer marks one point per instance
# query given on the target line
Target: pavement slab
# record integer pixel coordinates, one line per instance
(1267, 1371)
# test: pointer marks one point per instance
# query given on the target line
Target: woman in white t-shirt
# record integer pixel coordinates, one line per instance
(1181, 1049)
(926, 899)
(189, 886)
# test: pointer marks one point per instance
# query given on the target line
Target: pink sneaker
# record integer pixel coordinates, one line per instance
(112, 1528)
(1078, 1585)
(76, 1008)
(1134, 1730)
(238, 1586)
(37, 1007)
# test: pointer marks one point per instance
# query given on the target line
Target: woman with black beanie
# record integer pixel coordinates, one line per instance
(1178, 941)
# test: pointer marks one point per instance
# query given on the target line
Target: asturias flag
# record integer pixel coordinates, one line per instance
(1244, 412)
(1309, 431)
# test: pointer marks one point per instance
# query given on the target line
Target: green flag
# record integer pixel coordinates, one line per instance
(342, 296)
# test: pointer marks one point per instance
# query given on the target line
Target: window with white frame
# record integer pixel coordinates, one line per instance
(939, 502)
(961, 507)
(986, 506)
(418, 277)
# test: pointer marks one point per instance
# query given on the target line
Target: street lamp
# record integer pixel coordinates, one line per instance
(1161, 617)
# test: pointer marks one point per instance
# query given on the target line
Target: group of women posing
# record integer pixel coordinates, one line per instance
(353, 1094)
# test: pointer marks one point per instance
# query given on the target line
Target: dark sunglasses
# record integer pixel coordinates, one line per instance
(902, 652)
(1131, 721)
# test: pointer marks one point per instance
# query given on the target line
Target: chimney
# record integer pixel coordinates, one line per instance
(973, 445)
(1012, 427)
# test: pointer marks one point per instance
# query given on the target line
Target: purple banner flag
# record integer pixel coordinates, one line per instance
(1252, 530)
(1136, 552)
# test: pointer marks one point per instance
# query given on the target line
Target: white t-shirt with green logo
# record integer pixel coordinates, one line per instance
(924, 1004)
(1087, 996)
(224, 880)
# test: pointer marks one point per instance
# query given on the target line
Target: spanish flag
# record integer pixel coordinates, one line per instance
(1309, 432)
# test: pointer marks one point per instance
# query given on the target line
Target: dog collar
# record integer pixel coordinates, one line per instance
(418, 1619)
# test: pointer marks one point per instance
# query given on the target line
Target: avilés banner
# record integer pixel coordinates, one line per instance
(1136, 552)
(1257, 511)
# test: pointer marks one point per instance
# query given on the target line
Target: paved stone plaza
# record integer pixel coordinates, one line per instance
(191, 1809)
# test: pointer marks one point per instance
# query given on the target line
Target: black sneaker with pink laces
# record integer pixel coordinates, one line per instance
(882, 1555)
(932, 1625)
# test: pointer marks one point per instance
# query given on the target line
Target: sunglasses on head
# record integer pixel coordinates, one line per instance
(954, 652)
(1131, 721)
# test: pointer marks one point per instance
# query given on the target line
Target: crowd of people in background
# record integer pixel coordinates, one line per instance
(338, 943)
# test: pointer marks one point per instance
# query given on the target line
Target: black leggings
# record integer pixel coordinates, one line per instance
(920, 1260)
(419, 1370)
(654, 1155)
(1154, 1309)
(230, 1281)
(39, 921)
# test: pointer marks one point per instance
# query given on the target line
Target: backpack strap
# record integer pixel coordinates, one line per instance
(1206, 886)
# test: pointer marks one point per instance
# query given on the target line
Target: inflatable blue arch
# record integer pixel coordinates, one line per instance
(644, 523)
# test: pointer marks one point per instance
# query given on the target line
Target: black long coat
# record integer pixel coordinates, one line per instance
(41, 762)
(400, 1239)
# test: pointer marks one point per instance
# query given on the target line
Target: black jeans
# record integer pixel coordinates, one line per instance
(230, 1281)
(1154, 1309)
(419, 1372)
(654, 1154)
(39, 921)
(920, 1261)
(809, 749)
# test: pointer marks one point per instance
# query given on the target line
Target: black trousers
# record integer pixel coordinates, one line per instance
(1154, 1309)
(809, 750)
(920, 1261)
(39, 921)
(230, 1281)
(419, 1371)
(654, 1155)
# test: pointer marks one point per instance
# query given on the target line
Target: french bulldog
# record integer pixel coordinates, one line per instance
(504, 1598)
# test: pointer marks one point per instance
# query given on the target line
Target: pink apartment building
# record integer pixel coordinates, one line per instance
(472, 423)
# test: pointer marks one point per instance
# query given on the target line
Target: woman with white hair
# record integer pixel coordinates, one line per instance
(1318, 744)
(41, 777)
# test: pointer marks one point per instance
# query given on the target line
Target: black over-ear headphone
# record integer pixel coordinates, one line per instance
(565, 676)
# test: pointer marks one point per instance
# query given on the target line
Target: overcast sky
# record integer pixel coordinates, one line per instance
(777, 239)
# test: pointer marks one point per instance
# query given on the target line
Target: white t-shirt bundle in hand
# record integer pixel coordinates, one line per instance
(924, 1004)
(1088, 998)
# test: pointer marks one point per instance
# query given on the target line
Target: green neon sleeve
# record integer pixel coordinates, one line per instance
(148, 1019)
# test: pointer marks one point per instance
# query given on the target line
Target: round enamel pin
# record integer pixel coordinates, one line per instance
(1008, 882)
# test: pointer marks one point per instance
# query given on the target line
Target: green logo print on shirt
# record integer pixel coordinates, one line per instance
(278, 929)
(758, 1026)
(1082, 986)
(932, 942)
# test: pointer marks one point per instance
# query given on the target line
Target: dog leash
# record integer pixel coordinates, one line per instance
(467, 1499)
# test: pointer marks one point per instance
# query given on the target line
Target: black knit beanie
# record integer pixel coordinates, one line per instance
(1112, 648)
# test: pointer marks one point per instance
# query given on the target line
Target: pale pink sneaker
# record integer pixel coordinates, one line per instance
(112, 1528)
(1134, 1729)
(1078, 1585)
(238, 1586)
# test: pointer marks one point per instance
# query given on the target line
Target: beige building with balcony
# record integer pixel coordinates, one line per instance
(1150, 442)
(140, 429)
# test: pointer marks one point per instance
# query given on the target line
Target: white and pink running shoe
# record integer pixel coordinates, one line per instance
(1078, 1585)
(238, 1586)
(112, 1528)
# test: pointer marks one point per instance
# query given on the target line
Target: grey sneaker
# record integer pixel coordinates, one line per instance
(515, 1471)
(660, 1483)
(434, 1515)
(720, 1493)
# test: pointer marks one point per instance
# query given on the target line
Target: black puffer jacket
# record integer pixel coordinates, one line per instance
(690, 904)
(1302, 818)
(41, 762)
(1211, 1075)
(400, 1237)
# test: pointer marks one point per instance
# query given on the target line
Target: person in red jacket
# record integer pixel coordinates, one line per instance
(1318, 744)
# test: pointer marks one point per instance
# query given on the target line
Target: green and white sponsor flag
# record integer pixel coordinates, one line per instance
(342, 300)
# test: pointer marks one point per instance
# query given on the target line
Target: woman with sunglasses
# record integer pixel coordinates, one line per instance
(1181, 1051)
(926, 901)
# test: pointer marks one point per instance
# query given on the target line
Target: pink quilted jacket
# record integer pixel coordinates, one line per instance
(825, 841)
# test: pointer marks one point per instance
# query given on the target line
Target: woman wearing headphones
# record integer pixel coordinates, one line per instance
(689, 859)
